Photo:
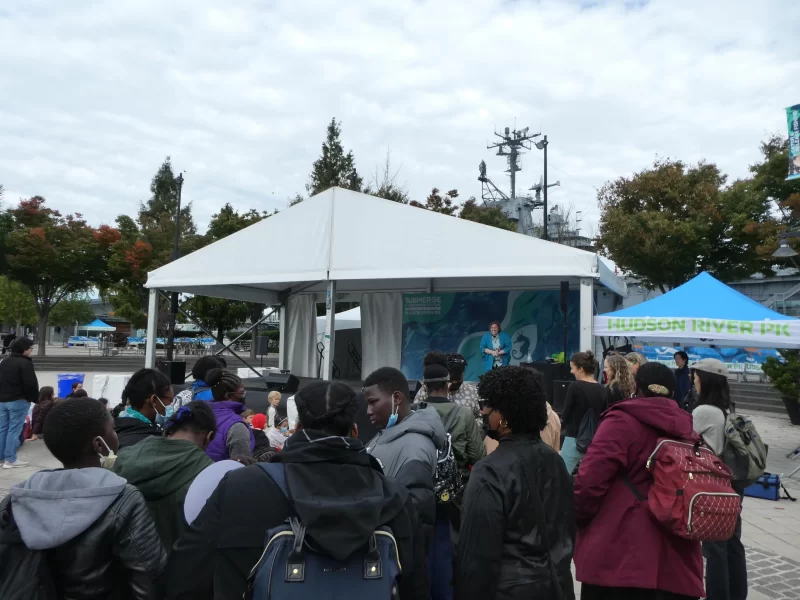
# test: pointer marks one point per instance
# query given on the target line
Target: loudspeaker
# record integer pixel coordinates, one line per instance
(283, 382)
(175, 370)
(550, 372)
(262, 345)
(564, 295)
(414, 387)
(560, 387)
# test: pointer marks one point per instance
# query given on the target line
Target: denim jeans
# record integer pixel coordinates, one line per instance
(12, 420)
(570, 454)
(726, 568)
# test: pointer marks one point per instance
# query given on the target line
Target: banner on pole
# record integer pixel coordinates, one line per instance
(793, 120)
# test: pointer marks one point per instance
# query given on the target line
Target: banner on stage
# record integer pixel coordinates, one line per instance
(737, 360)
(793, 121)
(455, 322)
(681, 328)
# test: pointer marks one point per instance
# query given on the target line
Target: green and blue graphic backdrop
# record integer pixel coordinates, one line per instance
(456, 322)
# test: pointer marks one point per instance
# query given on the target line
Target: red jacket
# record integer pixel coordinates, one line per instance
(619, 544)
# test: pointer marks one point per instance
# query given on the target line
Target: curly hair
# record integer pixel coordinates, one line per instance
(518, 395)
(636, 358)
(621, 375)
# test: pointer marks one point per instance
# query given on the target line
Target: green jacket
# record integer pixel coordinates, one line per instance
(467, 441)
(163, 469)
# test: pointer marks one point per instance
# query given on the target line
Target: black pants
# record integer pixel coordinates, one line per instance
(726, 568)
(596, 592)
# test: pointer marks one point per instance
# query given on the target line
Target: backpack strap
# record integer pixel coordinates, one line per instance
(451, 418)
(198, 391)
(277, 472)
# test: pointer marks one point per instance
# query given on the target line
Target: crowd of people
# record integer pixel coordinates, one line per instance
(182, 496)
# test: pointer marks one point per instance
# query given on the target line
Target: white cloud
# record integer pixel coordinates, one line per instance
(95, 95)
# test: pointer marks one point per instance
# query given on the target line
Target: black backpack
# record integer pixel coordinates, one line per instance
(24, 574)
(447, 481)
(587, 428)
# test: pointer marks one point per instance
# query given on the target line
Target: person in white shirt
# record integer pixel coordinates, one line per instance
(277, 435)
(291, 413)
(274, 399)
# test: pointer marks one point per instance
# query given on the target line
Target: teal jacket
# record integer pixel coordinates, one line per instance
(505, 346)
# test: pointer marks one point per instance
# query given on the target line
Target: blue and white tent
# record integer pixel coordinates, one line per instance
(703, 311)
(97, 325)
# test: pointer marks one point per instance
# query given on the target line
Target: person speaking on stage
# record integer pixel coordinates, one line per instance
(495, 348)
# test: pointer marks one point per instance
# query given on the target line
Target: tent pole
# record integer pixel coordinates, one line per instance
(586, 314)
(282, 362)
(152, 330)
(330, 331)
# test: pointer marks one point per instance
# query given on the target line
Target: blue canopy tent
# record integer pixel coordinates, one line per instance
(703, 311)
(97, 325)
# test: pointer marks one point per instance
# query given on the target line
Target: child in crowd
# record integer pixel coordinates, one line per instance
(248, 416)
(277, 435)
(47, 399)
(274, 399)
(258, 424)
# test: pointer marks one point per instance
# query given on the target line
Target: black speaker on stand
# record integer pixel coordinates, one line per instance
(550, 373)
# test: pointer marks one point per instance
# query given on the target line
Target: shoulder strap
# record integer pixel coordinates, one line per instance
(277, 472)
(541, 523)
(451, 418)
(199, 390)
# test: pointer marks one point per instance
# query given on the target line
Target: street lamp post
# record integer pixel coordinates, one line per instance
(784, 249)
(542, 145)
(173, 310)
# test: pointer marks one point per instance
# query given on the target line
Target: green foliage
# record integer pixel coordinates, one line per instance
(228, 221)
(216, 314)
(17, 305)
(71, 310)
(486, 215)
(334, 167)
(297, 199)
(435, 202)
(384, 184)
(54, 256)
(667, 223)
(784, 374)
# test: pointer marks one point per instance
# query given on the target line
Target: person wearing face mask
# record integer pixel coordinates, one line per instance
(518, 521)
(407, 442)
(234, 439)
(163, 468)
(323, 463)
(147, 397)
(96, 530)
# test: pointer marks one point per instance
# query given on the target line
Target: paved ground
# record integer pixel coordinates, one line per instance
(771, 530)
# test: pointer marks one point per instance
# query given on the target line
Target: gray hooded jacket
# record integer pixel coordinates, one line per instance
(408, 452)
(94, 524)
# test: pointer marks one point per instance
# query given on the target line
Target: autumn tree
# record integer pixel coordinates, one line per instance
(54, 256)
(669, 222)
(334, 167)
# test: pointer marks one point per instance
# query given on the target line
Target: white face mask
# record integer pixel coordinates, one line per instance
(108, 460)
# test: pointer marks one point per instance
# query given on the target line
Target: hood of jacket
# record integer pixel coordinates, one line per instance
(338, 490)
(424, 422)
(160, 466)
(661, 414)
(53, 507)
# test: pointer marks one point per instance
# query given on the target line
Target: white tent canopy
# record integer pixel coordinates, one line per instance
(348, 244)
(348, 319)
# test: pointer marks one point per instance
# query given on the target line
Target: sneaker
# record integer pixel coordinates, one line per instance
(17, 463)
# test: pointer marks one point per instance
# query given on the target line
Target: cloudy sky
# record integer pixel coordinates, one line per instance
(96, 94)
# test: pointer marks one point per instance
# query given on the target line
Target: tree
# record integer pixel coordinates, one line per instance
(216, 314)
(437, 203)
(54, 256)
(334, 167)
(228, 221)
(669, 222)
(486, 215)
(384, 184)
(146, 244)
(770, 186)
(16, 304)
(74, 310)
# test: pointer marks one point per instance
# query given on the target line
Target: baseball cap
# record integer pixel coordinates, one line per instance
(711, 365)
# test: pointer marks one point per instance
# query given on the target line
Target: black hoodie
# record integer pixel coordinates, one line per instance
(219, 549)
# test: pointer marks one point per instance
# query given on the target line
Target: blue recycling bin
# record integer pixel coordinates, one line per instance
(65, 381)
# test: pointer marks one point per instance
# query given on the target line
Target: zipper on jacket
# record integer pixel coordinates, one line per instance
(394, 542)
(692, 501)
(264, 553)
